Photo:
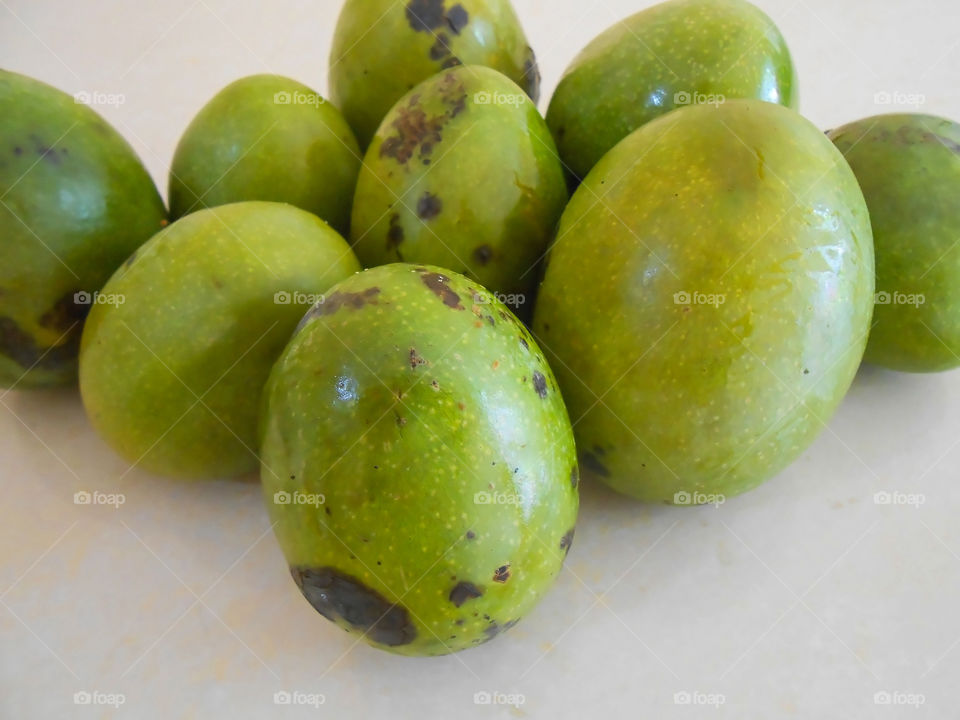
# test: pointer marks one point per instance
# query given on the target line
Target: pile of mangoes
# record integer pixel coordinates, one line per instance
(699, 306)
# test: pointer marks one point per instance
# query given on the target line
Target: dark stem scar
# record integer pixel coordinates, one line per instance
(540, 384)
(415, 359)
(593, 464)
(429, 206)
(439, 287)
(338, 596)
(483, 254)
(502, 573)
(464, 591)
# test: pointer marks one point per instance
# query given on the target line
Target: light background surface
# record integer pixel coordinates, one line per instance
(802, 599)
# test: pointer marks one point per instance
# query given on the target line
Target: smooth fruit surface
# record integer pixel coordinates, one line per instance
(173, 361)
(462, 174)
(677, 53)
(383, 48)
(418, 462)
(267, 137)
(709, 312)
(75, 201)
(909, 170)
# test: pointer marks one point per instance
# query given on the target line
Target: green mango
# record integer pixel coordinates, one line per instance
(674, 54)
(75, 201)
(708, 300)
(909, 170)
(174, 358)
(383, 48)
(462, 174)
(267, 137)
(418, 462)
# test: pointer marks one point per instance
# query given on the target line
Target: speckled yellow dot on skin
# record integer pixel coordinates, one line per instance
(173, 361)
(420, 497)
(717, 301)
(672, 54)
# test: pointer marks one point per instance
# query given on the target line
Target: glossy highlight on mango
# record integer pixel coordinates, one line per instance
(706, 316)
(418, 462)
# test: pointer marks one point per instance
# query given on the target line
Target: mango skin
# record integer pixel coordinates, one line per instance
(640, 68)
(425, 415)
(172, 376)
(677, 396)
(383, 48)
(475, 187)
(75, 201)
(267, 137)
(909, 170)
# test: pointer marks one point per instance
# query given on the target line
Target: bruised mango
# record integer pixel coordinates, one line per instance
(75, 201)
(708, 300)
(417, 461)
(383, 48)
(462, 174)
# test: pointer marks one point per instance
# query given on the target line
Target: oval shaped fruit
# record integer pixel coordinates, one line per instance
(709, 313)
(462, 174)
(267, 137)
(75, 201)
(678, 53)
(418, 462)
(383, 48)
(180, 343)
(909, 170)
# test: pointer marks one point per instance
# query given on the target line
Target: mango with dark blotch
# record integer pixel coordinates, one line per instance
(267, 137)
(173, 361)
(462, 174)
(383, 48)
(75, 201)
(708, 313)
(673, 54)
(908, 166)
(418, 461)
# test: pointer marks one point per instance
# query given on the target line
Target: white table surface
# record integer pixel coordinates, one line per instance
(802, 599)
